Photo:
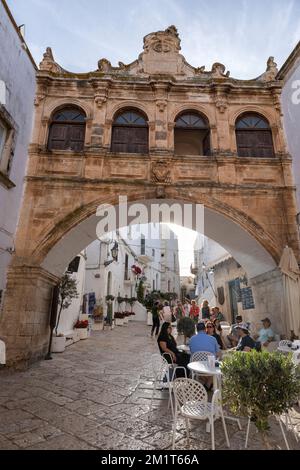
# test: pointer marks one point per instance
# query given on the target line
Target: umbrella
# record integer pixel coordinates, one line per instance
(291, 290)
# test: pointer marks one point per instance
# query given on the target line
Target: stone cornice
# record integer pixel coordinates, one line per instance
(199, 183)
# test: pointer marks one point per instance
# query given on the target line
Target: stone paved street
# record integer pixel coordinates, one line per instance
(96, 395)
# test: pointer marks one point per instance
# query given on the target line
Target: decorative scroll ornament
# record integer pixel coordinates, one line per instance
(218, 71)
(271, 72)
(48, 63)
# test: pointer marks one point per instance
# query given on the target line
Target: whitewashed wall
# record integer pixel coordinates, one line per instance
(18, 74)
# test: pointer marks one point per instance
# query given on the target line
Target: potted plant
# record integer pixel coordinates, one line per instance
(119, 318)
(258, 385)
(67, 292)
(109, 312)
(82, 328)
(186, 327)
(98, 317)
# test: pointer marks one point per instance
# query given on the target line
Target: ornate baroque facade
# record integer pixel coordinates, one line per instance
(157, 128)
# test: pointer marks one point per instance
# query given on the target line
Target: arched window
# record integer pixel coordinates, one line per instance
(254, 136)
(67, 130)
(130, 133)
(191, 135)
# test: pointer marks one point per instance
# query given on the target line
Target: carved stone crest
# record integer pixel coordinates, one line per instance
(161, 172)
(48, 63)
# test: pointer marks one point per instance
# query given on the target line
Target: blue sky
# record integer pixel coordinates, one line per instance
(242, 34)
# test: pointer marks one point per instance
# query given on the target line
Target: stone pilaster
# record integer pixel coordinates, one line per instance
(24, 321)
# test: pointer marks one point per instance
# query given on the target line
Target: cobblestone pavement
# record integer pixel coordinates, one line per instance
(96, 395)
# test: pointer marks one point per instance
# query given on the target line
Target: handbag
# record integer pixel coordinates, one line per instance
(173, 318)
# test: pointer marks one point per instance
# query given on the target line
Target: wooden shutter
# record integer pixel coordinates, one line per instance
(58, 137)
(252, 143)
(206, 145)
(76, 137)
(130, 139)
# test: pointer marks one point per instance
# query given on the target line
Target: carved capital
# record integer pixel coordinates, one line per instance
(171, 126)
(161, 172)
(89, 122)
(100, 100)
(161, 104)
(151, 125)
(38, 99)
(221, 104)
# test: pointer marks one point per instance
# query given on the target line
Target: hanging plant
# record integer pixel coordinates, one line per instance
(109, 297)
(136, 270)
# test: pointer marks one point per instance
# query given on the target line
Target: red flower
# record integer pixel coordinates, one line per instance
(81, 324)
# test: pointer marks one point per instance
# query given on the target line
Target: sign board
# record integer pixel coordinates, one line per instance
(247, 298)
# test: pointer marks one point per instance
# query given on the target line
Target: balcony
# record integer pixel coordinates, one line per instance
(145, 259)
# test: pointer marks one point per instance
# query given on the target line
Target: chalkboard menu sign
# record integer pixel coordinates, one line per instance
(247, 298)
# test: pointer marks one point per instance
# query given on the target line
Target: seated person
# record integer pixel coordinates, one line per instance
(167, 344)
(216, 314)
(266, 334)
(233, 336)
(204, 342)
(246, 343)
(218, 334)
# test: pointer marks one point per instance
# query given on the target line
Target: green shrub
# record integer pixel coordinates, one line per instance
(259, 384)
(186, 327)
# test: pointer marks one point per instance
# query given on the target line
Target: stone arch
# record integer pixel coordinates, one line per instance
(56, 105)
(205, 111)
(81, 226)
(138, 105)
(263, 112)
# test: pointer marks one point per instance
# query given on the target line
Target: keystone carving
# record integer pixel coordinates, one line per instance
(161, 172)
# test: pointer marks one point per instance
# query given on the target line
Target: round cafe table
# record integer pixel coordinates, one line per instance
(202, 368)
(184, 348)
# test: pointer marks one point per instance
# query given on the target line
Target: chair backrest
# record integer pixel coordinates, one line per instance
(187, 391)
(201, 356)
(284, 342)
(296, 357)
(216, 402)
(168, 358)
(224, 323)
(160, 367)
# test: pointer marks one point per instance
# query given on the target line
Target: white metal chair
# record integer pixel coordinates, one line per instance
(164, 374)
(224, 323)
(201, 356)
(191, 403)
(283, 343)
(281, 427)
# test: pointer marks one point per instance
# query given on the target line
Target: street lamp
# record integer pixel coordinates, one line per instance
(114, 254)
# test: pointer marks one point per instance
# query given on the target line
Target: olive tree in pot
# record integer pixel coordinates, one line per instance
(258, 385)
(67, 292)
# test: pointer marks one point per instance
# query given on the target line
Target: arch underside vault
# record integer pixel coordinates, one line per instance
(236, 239)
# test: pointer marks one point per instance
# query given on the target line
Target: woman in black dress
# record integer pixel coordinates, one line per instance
(167, 344)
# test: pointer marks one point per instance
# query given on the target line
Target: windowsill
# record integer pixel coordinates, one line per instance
(5, 181)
